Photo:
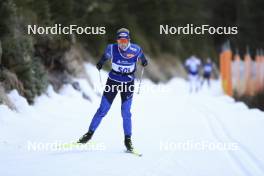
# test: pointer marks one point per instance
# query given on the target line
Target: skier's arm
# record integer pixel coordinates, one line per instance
(144, 61)
(107, 55)
(186, 66)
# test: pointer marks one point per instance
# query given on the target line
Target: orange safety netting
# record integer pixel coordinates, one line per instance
(225, 69)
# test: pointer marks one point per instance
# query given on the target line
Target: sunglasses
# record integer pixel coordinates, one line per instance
(122, 40)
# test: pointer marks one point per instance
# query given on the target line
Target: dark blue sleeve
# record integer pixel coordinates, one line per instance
(107, 54)
(142, 57)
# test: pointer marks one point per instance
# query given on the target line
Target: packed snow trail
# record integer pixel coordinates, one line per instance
(160, 121)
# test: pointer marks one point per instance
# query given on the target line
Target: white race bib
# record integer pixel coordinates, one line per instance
(123, 68)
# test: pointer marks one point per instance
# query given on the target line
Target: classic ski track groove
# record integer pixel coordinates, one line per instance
(250, 160)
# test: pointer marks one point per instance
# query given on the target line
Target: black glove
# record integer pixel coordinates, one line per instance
(99, 66)
(144, 63)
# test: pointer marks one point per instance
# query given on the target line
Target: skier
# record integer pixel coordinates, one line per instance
(124, 56)
(192, 66)
(207, 71)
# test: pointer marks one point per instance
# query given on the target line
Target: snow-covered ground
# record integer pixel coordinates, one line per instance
(199, 134)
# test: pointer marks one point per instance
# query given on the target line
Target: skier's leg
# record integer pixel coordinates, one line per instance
(202, 82)
(209, 81)
(106, 102)
(126, 97)
(193, 82)
(190, 77)
(196, 82)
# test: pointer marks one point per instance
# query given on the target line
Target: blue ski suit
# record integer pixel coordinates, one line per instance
(120, 79)
(207, 68)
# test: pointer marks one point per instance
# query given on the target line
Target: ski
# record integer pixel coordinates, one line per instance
(69, 145)
(75, 145)
(136, 153)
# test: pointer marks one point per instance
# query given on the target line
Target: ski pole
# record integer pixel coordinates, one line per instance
(142, 72)
(100, 78)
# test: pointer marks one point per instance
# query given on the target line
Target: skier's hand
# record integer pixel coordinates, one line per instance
(99, 66)
(144, 63)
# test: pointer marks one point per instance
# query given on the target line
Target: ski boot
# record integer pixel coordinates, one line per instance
(128, 143)
(86, 137)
